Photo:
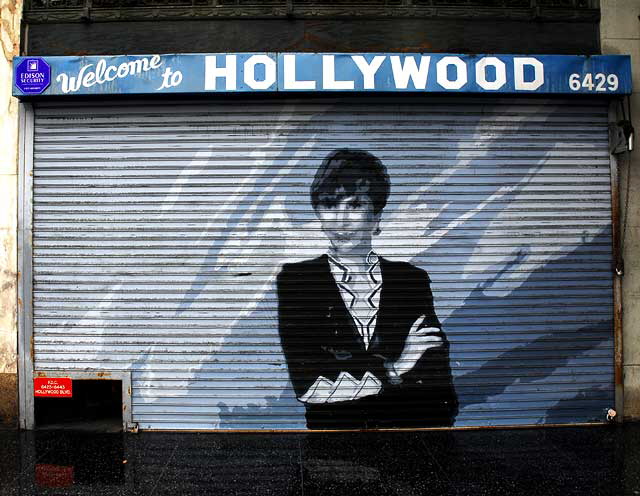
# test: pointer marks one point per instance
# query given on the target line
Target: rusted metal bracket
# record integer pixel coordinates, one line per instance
(618, 269)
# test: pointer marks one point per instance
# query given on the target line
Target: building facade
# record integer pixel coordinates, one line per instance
(174, 247)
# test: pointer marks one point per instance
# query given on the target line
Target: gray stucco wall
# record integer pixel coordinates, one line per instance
(10, 12)
(620, 34)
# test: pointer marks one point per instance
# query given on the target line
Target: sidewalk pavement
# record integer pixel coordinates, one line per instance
(601, 460)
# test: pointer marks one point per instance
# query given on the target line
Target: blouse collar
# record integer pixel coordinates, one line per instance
(372, 262)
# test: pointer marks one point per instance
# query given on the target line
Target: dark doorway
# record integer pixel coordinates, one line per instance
(96, 405)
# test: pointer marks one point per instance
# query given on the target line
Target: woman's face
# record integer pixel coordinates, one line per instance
(349, 224)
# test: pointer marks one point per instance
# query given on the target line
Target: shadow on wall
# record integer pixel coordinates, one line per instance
(276, 407)
(558, 362)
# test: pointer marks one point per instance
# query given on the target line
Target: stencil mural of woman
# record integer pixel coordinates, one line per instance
(361, 338)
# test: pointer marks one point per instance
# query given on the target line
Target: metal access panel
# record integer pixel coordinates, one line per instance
(177, 241)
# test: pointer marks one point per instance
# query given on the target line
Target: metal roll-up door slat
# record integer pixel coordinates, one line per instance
(159, 231)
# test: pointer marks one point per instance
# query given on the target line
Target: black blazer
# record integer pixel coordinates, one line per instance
(319, 337)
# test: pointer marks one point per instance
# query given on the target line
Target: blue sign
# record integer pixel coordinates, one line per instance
(32, 75)
(313, 72)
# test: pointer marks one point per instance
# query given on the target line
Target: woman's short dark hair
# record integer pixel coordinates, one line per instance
(349, 172)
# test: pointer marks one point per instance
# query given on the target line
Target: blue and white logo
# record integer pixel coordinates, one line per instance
(32, 76)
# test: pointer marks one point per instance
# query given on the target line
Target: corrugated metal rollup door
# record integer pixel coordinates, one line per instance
(160, 229)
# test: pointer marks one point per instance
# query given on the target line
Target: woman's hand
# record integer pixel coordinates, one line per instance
(418, 341)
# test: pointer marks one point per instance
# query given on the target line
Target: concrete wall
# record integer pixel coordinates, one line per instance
(620, 34)
(10, 12)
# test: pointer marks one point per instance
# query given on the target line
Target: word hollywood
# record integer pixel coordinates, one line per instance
(104, 73)
(450, 72)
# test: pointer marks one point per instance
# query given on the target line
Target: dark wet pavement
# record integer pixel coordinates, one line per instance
(551, 461)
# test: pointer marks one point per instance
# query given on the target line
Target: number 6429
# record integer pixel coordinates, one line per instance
(593, 82)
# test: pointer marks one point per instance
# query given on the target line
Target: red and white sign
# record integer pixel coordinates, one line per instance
(53, 387)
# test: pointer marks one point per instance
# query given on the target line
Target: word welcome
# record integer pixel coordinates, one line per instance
(104, 73)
